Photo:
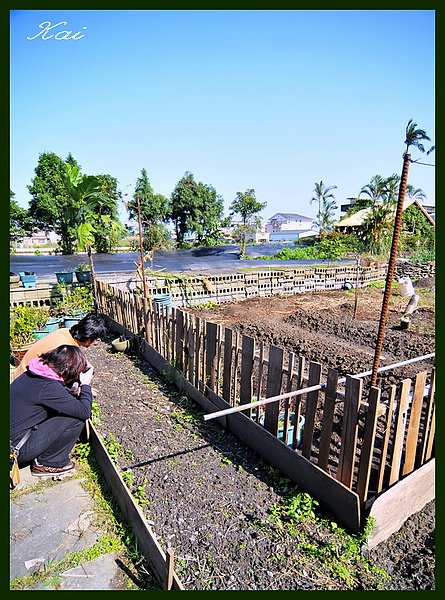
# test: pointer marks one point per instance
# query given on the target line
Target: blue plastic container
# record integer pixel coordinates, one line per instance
(163, 301)
(63, 277)
(70, 320)
(29, 280)
(52, 324)
(290, 430)
(39, 333)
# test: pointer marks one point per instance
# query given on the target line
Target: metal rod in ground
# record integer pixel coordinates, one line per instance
(313, 388)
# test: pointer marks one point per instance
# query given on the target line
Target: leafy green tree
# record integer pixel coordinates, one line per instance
(88, 208)
(326, 207)
(154, 213)
(247, 206)
(51, 207)
(107, 232)
(208, 216)
(184, 207)
(417, 231)
(375, 189)
(376, 229)
(20, 224)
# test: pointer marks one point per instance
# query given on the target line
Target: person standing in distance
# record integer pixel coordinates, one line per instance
(84, 333)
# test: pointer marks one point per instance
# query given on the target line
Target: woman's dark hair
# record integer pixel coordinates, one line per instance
(67, 361)
(89, 329)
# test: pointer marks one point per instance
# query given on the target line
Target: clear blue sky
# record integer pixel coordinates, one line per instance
(269, 100)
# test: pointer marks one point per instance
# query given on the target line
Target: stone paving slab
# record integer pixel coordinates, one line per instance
(45, 525)
(97, 574)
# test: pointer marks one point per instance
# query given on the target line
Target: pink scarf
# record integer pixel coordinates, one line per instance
(38, 367)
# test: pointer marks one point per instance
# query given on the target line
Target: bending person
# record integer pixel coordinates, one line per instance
(41, 402)
(84, 333)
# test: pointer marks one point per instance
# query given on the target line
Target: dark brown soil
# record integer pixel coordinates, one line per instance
(213, 500)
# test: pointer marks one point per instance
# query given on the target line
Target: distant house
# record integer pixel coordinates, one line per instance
(355, 221)
(288, 222)
(259, 236)
(289, 227)
(39, 239)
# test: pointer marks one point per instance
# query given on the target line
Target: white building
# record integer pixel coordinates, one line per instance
(289, 227)
(39, 239)
(289, 222)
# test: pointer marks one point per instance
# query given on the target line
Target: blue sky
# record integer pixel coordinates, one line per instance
(269, 100)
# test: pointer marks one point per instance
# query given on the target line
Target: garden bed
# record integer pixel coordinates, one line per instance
(229, 517)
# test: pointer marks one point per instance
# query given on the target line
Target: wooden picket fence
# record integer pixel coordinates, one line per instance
(365, 441)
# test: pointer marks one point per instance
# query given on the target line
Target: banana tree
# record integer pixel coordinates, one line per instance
(87, 210)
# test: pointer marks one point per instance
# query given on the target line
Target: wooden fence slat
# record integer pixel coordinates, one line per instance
(290, 374)
(179, 341)
(191, 349)
(236, 361)
(219, 344)
(274, 376)
(260, 379)
(328, 419)
(353, 392)
(402, 409)
(387, 436)
(210, 354)
(364, 470)
(428, 420)
(412, 437)
(198, 361)
(297, 399)
(429, 446)
(311, 408)
(247, 361)
(227, 372)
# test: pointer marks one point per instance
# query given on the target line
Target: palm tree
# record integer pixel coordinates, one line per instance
(322, 196)
(375, 189)
(414, 137)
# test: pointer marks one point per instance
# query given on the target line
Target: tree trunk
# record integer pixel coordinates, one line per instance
(93, 277)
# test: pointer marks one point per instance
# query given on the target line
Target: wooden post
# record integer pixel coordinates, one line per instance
(414, 423)
(402, 409)
(297, 399)
(227, 373)
(368, 444)
(311, 409)
(274, 375)
(328, 419)
(429, 418)
(290, 373)
(384, 452)
(210, 354)
(169, 569)
(353, 392)
(247, 358)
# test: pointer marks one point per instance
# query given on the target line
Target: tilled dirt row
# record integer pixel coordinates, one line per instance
(213, 500)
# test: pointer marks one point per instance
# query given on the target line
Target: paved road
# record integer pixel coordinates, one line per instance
(220, 258)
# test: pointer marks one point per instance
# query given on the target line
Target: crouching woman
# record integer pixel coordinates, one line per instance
(40, 402)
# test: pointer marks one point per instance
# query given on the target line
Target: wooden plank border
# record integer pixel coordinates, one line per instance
(148, 543)
(409, 495)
